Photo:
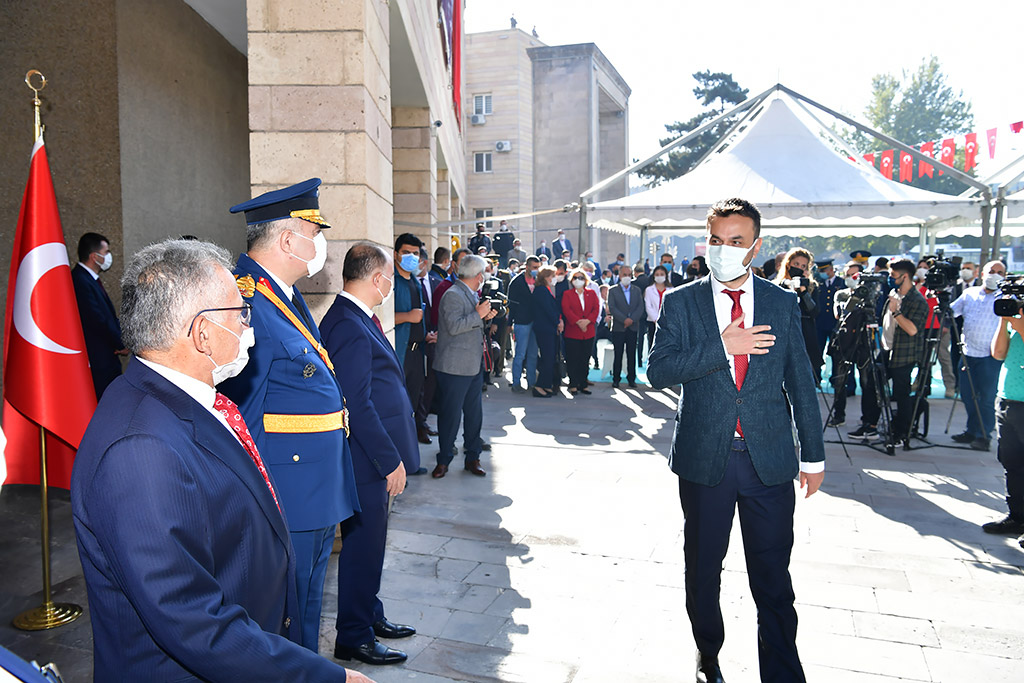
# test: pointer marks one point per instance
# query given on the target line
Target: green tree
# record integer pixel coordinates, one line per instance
(916, 108)
(715, 91)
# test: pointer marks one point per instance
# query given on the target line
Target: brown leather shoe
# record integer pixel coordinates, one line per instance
(439, 471)
(473, 467)
(422, 435)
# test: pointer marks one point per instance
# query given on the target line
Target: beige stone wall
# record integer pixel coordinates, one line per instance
(415, 173)
(497, 64)
(319, 90)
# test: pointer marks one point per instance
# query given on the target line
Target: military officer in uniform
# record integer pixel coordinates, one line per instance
(288, 394)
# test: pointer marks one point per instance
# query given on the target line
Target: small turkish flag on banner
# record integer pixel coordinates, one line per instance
(906, 167)
(948, 152)
(992, 142)
(870, 158)
(1016, 127)
(924, 168)
(887, 163)
(971, 151)
(46, 371)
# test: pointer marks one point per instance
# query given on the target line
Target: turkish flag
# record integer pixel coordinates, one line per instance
(870, 158)
(46, 371)
(924, 168)
(906, 167)
(1016, 127)
(948, 152)
(887, 163)
(992, 142)
(970, 151)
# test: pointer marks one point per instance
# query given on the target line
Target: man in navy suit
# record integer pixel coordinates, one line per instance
(734, 342)
(288, 393)
(562, 243)
(384, 448)
(184, 546)
(99, 320)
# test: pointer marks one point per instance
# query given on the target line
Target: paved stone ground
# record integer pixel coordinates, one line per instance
(565, 562)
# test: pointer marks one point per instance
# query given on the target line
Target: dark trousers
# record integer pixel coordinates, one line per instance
(766, 521)
(547, 368)
(461, 399)
(415, 373)
(871, 410)
(577, 361)
(981, 385)
(1010, 425)
(429, 387)
(624, 340)
(360, 564)
(312, 551)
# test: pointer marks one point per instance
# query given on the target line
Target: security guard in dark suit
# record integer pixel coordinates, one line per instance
(288, 394)
(99, 320)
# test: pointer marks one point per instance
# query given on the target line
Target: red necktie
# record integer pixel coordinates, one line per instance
(226, 407)
(376, 321)
(740, 362)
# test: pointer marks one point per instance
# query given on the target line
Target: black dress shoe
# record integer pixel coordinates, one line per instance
(1007, 525)
(387, 629)
(615, 385)
(370, 653)
(421, 434)
(485, 446)
(708, 670)
(632, 385)
(431, 432)
(422, 470)
(980, 444)
(963, 437)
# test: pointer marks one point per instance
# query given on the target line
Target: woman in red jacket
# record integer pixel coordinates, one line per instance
(580, 310)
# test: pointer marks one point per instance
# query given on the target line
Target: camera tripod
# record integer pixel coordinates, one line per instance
(866, 345)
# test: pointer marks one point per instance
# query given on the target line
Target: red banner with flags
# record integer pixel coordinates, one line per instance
(924, 168)
(47, 382)
(870, 158)
(887, 163)
(948, 152)
(970, 151)
(906, 167)
(991, 134)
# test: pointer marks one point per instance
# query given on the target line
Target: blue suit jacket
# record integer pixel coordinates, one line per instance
(383, 423)
(187, 561)
(688, 350)
(100, 326)
(286, 375)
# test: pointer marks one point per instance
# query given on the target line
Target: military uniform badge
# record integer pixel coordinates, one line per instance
(246, 286)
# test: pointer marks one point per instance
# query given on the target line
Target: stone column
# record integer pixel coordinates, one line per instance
(444, 207)
(319, 105)
(415, 172)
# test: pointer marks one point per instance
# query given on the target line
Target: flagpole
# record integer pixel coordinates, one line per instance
(49, 614)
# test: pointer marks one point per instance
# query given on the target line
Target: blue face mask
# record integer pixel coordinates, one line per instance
(410, 263)
(892, 281)
(534, 273)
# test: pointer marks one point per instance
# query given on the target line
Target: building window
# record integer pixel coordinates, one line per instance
(482, 104)
(485, 213)
(482, 162)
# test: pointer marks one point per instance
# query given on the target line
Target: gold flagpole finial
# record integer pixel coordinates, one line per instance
(35, 99)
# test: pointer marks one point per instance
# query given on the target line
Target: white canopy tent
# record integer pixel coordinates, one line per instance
(783, 159)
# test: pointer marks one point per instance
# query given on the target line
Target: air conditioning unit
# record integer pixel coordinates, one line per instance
(478, 119)
(503, 146)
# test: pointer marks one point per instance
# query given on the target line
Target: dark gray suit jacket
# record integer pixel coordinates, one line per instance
(620, 310)
(688, 350)
(460, 332)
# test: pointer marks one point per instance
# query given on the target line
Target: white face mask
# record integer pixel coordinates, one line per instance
(726, 262)
(315, 264)
(660, 279)
(383, 299)
(625, 280)
(559, 278)
(108, 260)
(992, 281)
(230, 369)
(921, 272)
(579, 284)
(850, 281)
(966, 274)
(480, 287)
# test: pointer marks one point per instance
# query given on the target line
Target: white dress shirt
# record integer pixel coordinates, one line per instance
(362, 307)
(200, 392)
(425, 282)
(287, 289)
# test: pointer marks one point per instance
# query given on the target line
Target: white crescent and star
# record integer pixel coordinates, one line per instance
(34, 266)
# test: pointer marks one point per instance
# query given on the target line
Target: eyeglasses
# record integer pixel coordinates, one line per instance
(244, 314)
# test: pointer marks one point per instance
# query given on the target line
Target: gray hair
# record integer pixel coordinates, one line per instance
(163, 287)
(260, 235)
(471, 265)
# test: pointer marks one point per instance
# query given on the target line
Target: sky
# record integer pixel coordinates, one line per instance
(826, 50)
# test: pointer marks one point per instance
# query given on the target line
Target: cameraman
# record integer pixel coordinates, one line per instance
(904, 316)
(979, 371)
(1008, 349)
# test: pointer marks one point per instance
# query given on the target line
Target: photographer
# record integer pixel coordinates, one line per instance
(854, 307)
(1008, 349)
(792, 274)
(903, 319)
(979, 371)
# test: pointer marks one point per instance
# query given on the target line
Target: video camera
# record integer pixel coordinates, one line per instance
(942, 273)
(797, 280)
(1011, 303)
(499, 302)
(869, 288)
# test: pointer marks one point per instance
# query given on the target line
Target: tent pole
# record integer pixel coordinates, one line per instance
(997, 228)
(986, 214)
(582, 238)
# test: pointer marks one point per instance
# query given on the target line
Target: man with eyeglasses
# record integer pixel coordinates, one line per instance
(288, 393)
(184, 545)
